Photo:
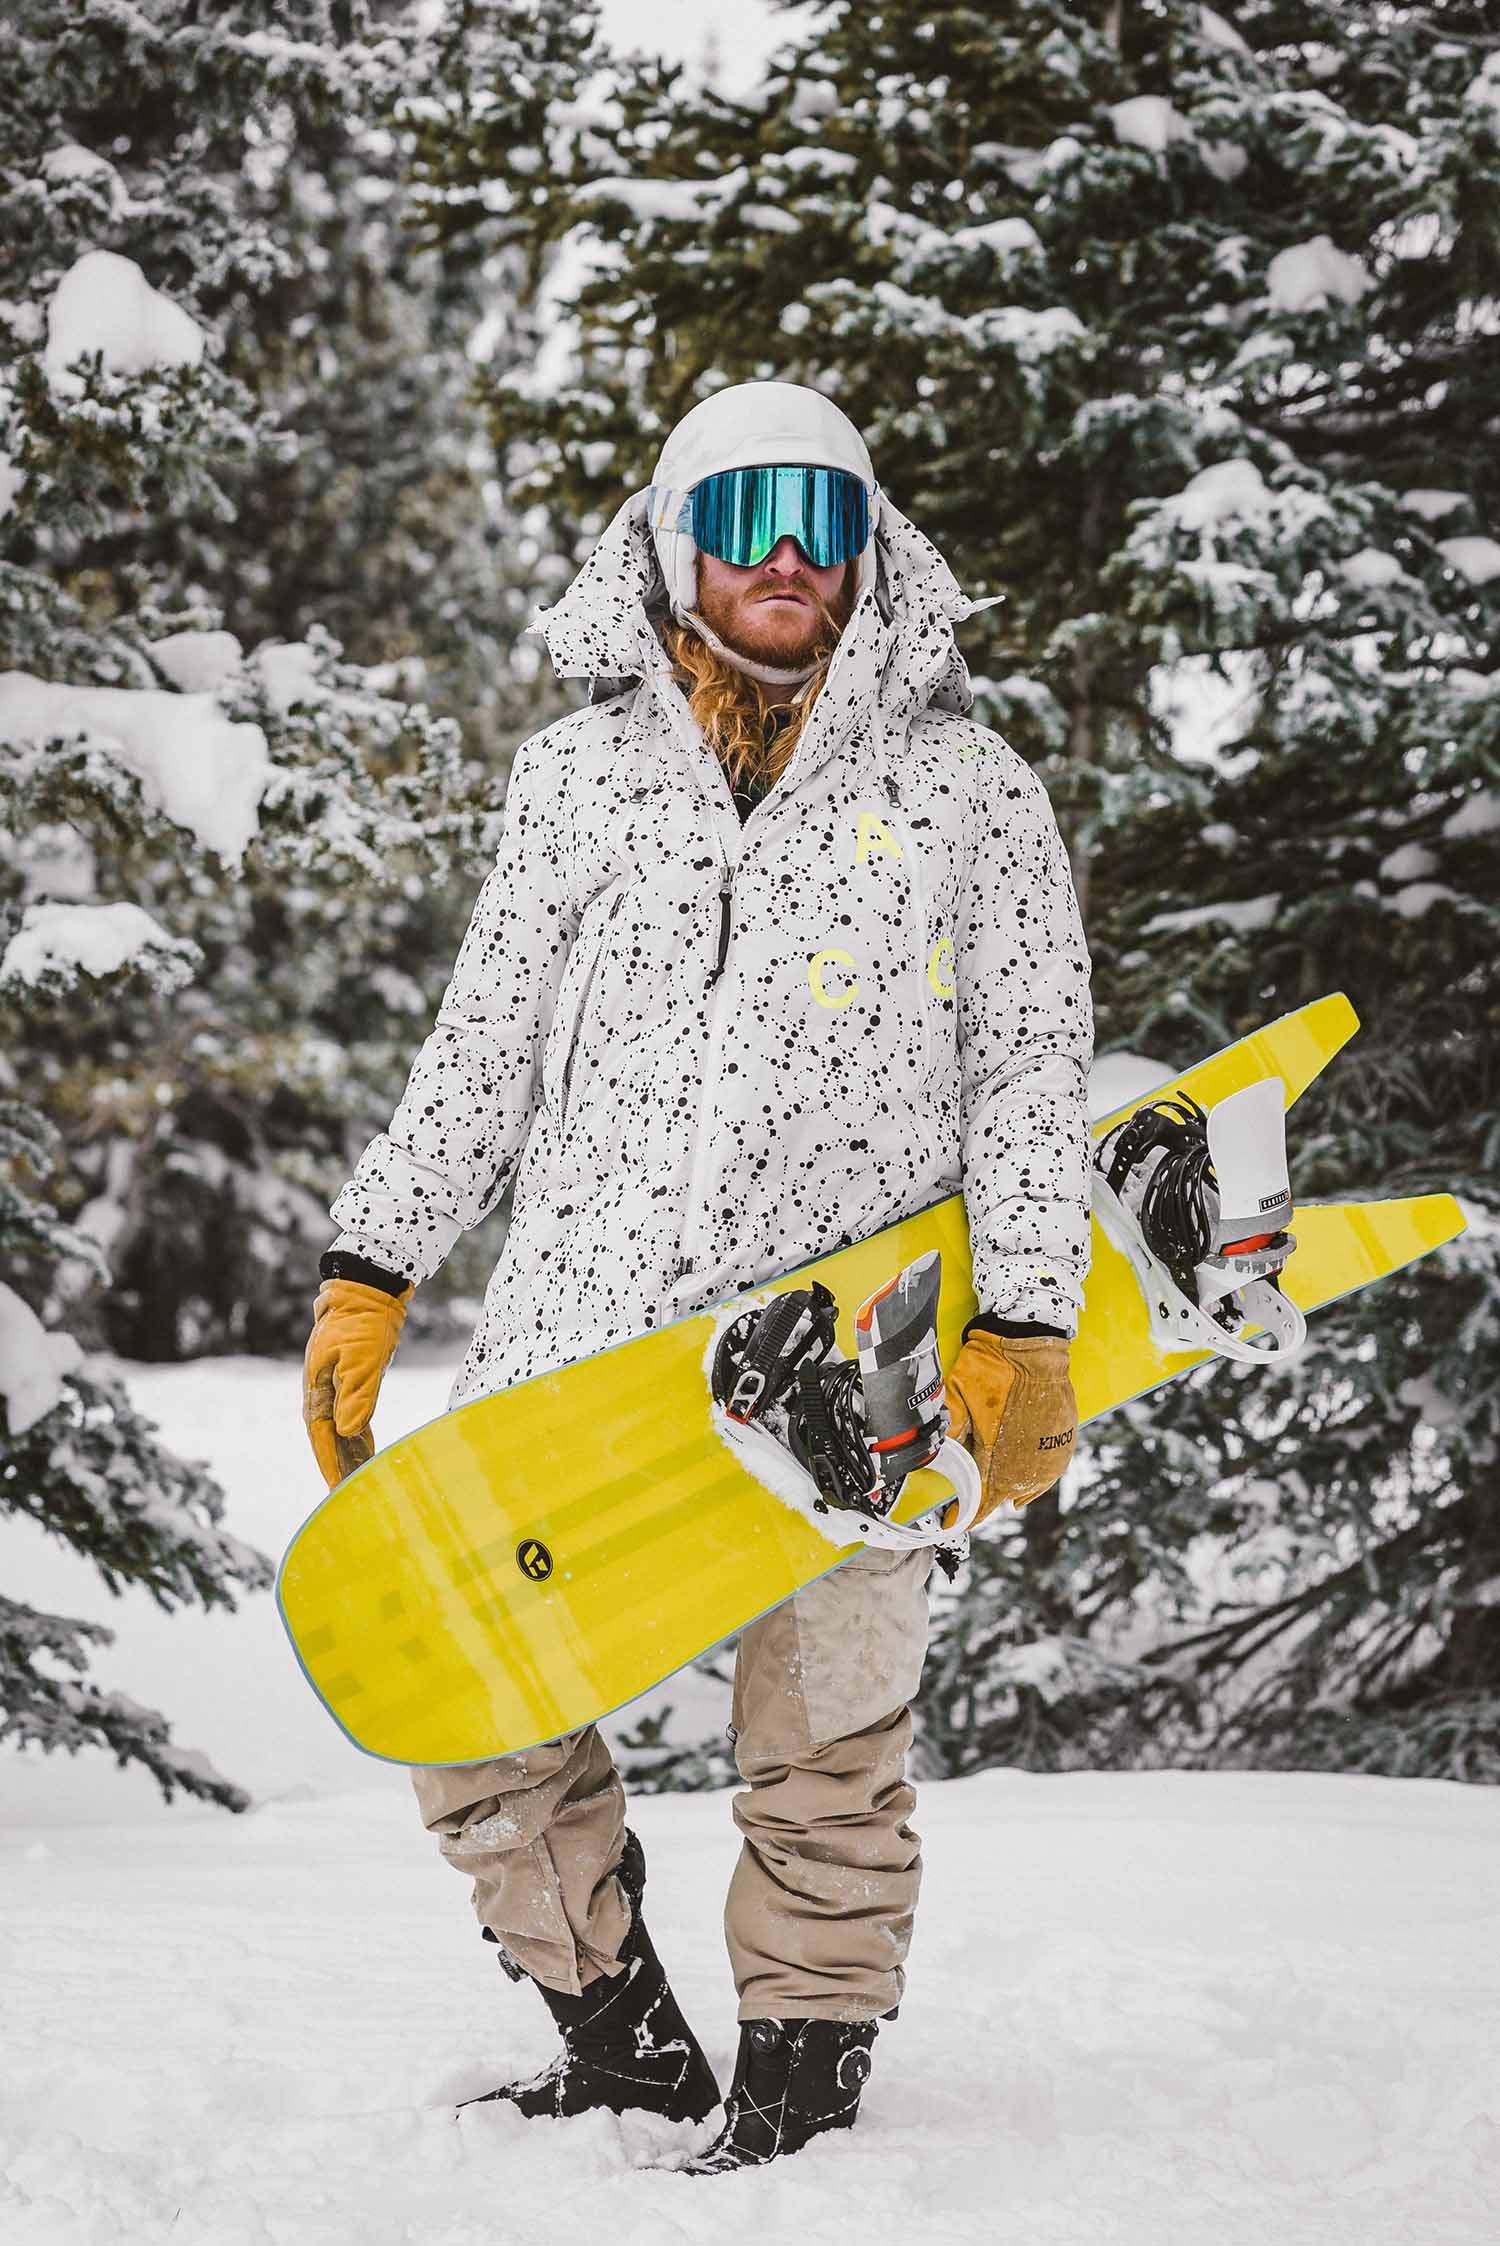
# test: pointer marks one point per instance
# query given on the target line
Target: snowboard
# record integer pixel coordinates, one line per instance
(534, 1560)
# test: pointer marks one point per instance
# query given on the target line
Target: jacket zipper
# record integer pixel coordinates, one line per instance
(725, 892)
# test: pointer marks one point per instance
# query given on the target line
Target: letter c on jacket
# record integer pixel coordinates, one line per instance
(815, 968)
(940, 973)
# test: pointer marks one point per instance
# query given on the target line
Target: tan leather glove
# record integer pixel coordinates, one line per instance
(1011, 1403)
(354, 1336)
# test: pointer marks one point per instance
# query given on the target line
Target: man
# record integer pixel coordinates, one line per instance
(779, 947)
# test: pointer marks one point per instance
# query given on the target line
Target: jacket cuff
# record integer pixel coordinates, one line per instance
(1010, 1328)
(342, 1263)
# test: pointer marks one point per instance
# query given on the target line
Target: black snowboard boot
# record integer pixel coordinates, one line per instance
(626, 2044)
(793, 2079)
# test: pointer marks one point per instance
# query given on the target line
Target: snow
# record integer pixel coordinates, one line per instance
(884, 220)
(1229, 491)
(11, 480)
(1370, 568)
(1224, 158)
(1483, 92)
(1025, 166)
(1155, 2006)
(1220, 33)
(554, 360)
(728, 47)
(61, 940)
(678, 200)
(1007, 237)
(1412, 862)
(1401, 150)
(289, 674)
(1029, 332)
(769, 218)
(199, 768)
(198, 662)
(1478, 559)
(1244, 916)
(1309, 112)
(1431, 504)
(68, 160)
(32, 1362)
(1232, 255)
(1148, 121)
(828, 163)
(1208, 702)
(106, 1216)
(27, 321)
(1478, 814)
(1312, 274)
(1468, 684)
(1419, 897)
(105, 303)
(398, 990)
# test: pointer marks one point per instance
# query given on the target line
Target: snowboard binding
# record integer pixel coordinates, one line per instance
(1200, 1202)
(850, 1429)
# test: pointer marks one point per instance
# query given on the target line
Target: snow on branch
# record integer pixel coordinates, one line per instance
(56, 943)
(195, 765)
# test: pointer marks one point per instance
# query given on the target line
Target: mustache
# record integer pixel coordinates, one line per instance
(805, 592)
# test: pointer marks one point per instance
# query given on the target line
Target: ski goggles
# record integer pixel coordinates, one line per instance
(740, 514)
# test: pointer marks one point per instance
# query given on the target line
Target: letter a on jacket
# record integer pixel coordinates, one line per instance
(902, 1009)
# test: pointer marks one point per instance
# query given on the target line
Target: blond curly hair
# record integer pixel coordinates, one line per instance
(726, 705)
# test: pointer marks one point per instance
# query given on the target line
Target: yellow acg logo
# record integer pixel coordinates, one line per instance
(873, 834)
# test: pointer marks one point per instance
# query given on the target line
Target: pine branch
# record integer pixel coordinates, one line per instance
(40, 1710)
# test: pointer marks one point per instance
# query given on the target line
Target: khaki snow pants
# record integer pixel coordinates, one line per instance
(820, 1906)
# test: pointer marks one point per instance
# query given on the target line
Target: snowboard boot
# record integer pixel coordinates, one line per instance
(626, 2044)
(793, 2079)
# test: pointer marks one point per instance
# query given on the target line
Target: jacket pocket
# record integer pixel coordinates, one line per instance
(573, 1006)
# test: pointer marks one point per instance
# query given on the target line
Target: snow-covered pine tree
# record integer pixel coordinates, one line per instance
(387, 524)
(290, 227)
(522, 99)
(174, 809)
(1320, 600)
(1176, 330)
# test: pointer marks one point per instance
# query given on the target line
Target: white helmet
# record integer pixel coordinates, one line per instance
(750, 425)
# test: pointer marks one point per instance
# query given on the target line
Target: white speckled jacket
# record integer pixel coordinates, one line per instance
(718, 1050)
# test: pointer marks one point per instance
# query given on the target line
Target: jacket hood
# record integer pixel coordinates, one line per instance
(898, 643)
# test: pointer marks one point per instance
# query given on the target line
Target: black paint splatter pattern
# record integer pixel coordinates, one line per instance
(903, 1007)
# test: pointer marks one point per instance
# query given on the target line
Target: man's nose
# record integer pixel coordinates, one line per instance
(786, 557)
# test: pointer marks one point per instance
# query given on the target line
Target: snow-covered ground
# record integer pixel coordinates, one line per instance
(1164, 2006)
(1161, 2007)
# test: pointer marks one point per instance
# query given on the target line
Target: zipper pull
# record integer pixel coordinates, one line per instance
(723, 934)
(890, 787)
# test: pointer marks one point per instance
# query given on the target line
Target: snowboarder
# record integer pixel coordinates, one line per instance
(779, 946)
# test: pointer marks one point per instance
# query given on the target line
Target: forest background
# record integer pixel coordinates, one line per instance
(330, 338)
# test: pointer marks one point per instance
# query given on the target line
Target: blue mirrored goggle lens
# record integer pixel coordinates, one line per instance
(739, 515)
